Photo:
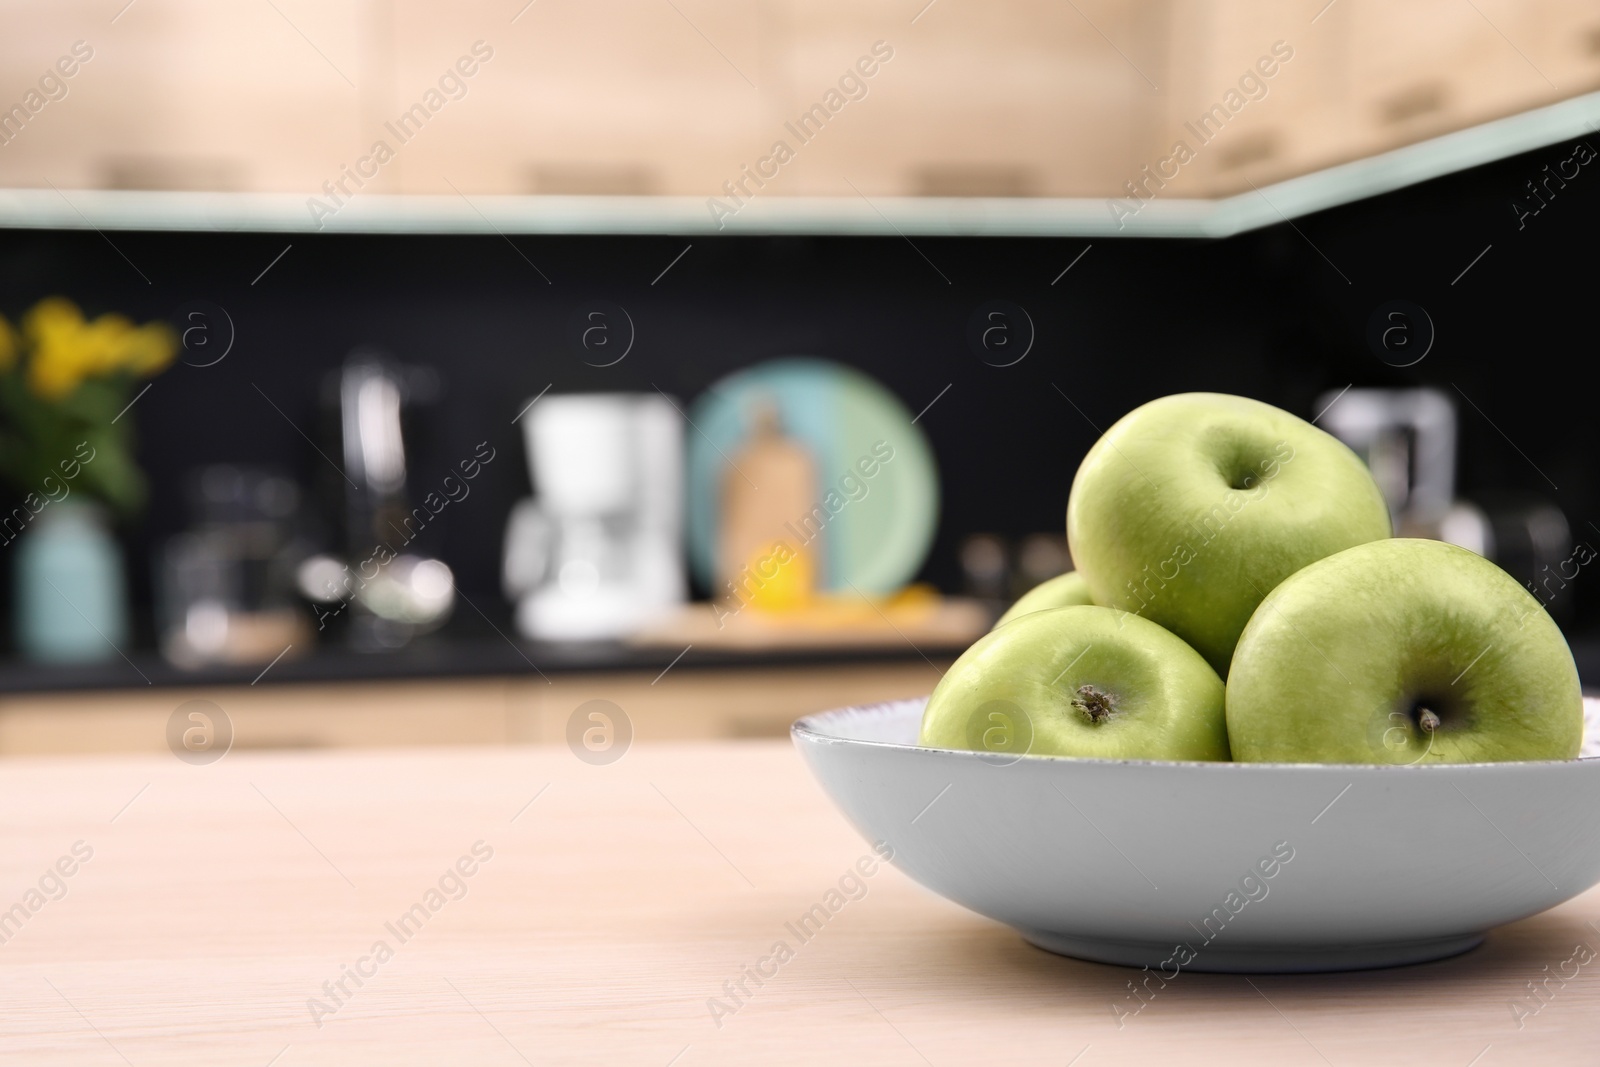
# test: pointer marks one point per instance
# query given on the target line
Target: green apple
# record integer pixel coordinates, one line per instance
(1080, 681)
(1063, 591)
(1403, 651)
(1192, 507)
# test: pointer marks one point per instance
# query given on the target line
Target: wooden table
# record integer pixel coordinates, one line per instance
(617, 902)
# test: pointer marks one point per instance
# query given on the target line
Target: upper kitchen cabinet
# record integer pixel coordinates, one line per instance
(963, 100)
(1354, 78)
(1022, 116)
(1254, 93)
(781, 98)
(181, 94)
(623, 97)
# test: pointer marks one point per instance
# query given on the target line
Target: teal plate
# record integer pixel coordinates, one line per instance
(875, 542)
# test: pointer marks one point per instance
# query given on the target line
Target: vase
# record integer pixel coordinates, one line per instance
(69, 585)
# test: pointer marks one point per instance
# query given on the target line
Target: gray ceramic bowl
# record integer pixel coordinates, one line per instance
(1217, 866)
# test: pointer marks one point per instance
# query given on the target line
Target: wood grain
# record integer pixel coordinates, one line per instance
(220, 898)
(1028, 97)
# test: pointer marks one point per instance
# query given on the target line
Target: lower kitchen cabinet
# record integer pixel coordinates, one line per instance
(681, 705)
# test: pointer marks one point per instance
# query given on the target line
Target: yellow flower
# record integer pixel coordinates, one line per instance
(54, 329)
(101, 343)
(149, 349)
(56, 377)
(8, 345)
(66, 349)
(50, 318)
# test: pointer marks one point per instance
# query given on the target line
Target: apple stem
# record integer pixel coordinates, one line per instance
(1428, 719)
(1096, 706)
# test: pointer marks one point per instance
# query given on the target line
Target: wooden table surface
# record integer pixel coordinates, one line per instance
(211, 914)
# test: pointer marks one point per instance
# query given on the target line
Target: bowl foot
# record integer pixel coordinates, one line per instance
(1247, 959)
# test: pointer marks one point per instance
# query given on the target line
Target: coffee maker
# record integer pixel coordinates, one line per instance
(597, 552)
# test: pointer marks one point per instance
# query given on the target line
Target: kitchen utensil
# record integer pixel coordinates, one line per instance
(874, 531)
(226, 585)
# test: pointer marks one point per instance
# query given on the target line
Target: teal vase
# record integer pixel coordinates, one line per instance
(70, 589)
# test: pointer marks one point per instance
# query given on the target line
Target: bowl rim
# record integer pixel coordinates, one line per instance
(809, 728)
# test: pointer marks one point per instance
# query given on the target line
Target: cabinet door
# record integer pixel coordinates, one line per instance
(1425, 67)
(1366, 76)
(1258, 92)
(1013, 98)
(615, 96)
(1422, 68)
(183, 94)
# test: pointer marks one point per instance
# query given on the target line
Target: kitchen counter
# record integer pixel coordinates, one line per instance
(533, 908)
(441, 656)
(478, 653)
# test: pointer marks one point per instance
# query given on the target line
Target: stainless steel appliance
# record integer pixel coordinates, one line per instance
(378, 592)
(1408, 438)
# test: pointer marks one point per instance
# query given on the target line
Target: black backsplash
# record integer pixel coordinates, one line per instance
(1279, 314)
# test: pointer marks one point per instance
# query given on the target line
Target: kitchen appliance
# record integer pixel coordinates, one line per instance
(1408, 439)
(597, 553)
(226, 588)
(392, 594)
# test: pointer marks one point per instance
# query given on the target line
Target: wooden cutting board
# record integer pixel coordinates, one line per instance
(942, 623)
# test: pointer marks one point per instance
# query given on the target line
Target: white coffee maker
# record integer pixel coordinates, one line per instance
(597, 552)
